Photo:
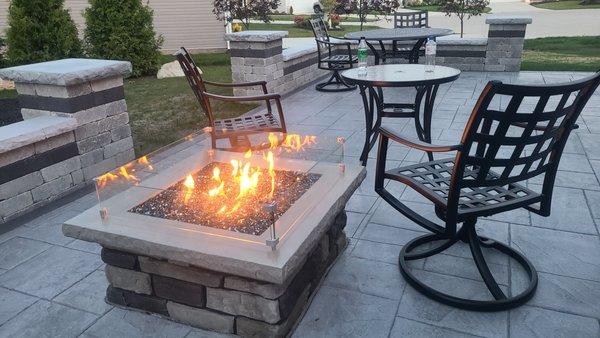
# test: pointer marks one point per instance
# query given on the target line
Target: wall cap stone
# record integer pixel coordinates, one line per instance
(508, 19)
(456, 40)
(33, 130)
(255, 36)
(67, 72)
(299, 51)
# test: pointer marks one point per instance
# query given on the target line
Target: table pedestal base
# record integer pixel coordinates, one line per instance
(334, 84)
(374, 102)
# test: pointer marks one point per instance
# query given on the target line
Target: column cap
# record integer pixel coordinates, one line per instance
(256, 36)
(508, 20)
(66, 72)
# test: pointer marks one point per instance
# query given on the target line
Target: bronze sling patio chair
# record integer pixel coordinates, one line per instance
(499, 151)
(235, 129)
(333, 55)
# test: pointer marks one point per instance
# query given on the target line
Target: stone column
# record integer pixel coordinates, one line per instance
(89, 91)
(256, 56)
(506, 36)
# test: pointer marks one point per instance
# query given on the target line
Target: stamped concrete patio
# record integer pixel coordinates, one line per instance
(51, 285)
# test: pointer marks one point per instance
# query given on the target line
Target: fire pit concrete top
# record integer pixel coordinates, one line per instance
(299, 228)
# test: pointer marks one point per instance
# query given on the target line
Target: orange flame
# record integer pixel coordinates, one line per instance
(219, 189)
(189, 185)
(127, 175)
(144, 160)
(246, 180)
(271, 160)
(291, 142)
(101, 181)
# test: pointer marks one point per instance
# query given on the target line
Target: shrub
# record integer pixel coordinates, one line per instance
(291, 10)
(2, 52)
(464, 9)
(123, 30)
(40, 30)
(365, 7)
(301, 22)
(229, 10)
(335, 20)
(236, 27)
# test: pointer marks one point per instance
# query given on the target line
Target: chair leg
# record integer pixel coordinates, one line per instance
(468, 233)
(334, 84)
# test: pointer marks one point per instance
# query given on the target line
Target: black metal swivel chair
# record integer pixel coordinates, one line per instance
(333, 55)
(237, 130)
(412, 19)
(500, 149)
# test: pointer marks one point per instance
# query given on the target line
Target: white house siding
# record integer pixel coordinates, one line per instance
(299, 6)
(188, 23)
(3, 15)
(76, 8)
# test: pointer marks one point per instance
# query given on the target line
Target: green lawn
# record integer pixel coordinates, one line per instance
(8, 94)
(580, 53)
(568, 4)
(290, 17)
(296, 32)
(435, 8)
(163, 111)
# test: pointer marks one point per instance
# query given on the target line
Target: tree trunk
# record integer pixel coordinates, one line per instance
(462, 23)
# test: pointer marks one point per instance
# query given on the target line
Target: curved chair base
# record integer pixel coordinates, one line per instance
(335, 81)
(501, 302)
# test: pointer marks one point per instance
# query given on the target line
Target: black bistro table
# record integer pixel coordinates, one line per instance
(378, 36)
(403, 75)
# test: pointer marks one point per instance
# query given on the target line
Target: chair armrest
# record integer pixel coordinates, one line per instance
(240, 84)
(331, 43)
(345, 39)
(417, 144)
(243, 98)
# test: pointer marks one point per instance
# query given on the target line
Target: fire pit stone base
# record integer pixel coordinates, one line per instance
(216, 301)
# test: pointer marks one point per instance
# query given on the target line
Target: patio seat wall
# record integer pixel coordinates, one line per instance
(259, 55)
(75, 127)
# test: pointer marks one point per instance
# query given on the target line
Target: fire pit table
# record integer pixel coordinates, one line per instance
(230, 242)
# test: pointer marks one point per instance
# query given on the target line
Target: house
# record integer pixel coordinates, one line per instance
(299, 6)
(188, 23)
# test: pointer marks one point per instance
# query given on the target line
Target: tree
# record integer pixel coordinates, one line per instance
(244, 10)
(40, 30)
(123, 30)
(464, 8)
(365, 7)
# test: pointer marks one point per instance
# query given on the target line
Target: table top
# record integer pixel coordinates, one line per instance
(398, 34)
(402, 75)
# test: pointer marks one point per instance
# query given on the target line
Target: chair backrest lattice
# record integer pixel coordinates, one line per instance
(194, 77)
(414, 19)
(518, 132)
(319, 29)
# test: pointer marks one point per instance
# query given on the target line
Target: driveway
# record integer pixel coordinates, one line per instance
(545, 22)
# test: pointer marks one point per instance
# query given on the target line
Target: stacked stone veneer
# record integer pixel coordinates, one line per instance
(217, 301)
(506, 37)
(467, 54)
(75, 127)
(259, 56)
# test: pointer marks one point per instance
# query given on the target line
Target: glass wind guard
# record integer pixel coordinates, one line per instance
(251, 196)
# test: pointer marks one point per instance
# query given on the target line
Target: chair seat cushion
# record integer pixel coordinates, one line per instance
(255, 122)
(432, 180)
